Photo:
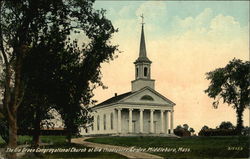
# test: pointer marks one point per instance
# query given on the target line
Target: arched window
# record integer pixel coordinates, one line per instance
(111, 121)
(145, 71)
(98, 122)
(147, 97)
(104, 121)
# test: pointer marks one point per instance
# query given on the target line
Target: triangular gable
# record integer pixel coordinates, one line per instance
(144, 96)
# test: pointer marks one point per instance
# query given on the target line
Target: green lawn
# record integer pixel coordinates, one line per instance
(59, 142)
(44, 139)
(72, 155)
(200, 147)
(21, 140)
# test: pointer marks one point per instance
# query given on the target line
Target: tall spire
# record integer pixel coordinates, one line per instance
(142, 52)
(142, 66)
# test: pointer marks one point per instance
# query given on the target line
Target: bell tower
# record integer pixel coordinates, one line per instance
(142, 66)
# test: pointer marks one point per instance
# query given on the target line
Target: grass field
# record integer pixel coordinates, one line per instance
(200, 147)
(73, 155)
(44, 139)
(59, 142)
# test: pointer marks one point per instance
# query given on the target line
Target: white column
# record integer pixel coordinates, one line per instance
(130, 121)
(119, 120)
(249, 116)
(141, 120)
(172, 122)
(166, 124)
(162, 121)
(151, 121)
(114, 121)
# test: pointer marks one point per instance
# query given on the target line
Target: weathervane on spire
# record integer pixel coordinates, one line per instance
(142, 18)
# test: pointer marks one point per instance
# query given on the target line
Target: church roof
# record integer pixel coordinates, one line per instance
(142, 52)
(124, 96)
(115, 99)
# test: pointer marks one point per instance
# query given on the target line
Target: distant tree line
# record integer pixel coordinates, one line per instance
(226, 128)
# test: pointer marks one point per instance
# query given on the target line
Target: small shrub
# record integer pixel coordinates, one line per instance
(181, 132)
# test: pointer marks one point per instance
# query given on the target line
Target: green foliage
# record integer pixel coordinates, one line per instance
(4, 130)
(56, 70)
(178, 127)
(205, 127)
(232, 85)
(181, 132)
(226, 125)
(246, 131)
(4, 134)
(21, 140)
(191, 130)
(184, 130)
(185, 126)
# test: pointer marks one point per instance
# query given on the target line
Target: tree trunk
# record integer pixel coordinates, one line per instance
(37, 127)
(69, 136)
(239, 126)
(36, 133)
(12, 136)
(12, 100)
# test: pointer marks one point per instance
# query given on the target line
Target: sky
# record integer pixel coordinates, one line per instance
(184, 39)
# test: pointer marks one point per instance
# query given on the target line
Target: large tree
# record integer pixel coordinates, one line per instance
(21, 25)
(35, 105)
(231, 84)
(27, 25)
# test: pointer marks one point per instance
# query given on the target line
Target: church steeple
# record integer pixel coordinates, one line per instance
(142, 52)
(142, 66)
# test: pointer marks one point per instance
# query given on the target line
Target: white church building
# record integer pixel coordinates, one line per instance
(142, 111)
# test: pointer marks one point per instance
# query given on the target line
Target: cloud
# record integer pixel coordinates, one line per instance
(197, 22)
(124, 11)
(209, 27)
(152, 10)
(226, 27)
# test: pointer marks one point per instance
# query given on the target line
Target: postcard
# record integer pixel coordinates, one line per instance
(125, 79)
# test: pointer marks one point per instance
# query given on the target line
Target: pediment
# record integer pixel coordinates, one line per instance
(147, 96)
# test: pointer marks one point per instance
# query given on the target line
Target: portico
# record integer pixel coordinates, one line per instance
(136, 120)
